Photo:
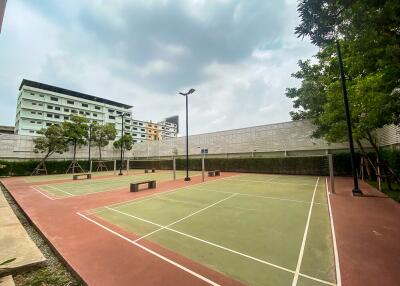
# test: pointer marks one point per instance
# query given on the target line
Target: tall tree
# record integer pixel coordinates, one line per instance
(368, 33)
(126, 141)
(102, 135)
(76, 132)
(52, 141)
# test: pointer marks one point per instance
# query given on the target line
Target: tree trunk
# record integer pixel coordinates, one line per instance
(100, 152)
(365, 158)
(73, 166)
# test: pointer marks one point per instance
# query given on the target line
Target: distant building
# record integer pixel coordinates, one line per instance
(2, 10)
(7, 129)
(40, 105)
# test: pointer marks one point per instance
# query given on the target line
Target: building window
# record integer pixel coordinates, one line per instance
(33, 103)
(32, 121)
(73, 111)
(56, 116)
(134, 128)
(31, 131)
(66, 117)
(142, 130)
(39, 122)
(53, 98)
(119, 112)
(66, 109)
(111, 117)
(87, 113)
(97, 107)
(70, 102)
(40, 104)
(31, 93)
(48, 124)
(33, 112)
(110, 110)
(85, 105)
(134, 122)
(94, 114)
(39, 113)
(57, 108)
(41, 95)
(49, 107)
(81, 112)
(49, 115)
(143, 135)
(140, 123)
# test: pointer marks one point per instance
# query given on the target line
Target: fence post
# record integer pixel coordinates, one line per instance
(331, 178)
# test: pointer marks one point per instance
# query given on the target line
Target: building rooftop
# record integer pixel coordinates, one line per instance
(39, 85)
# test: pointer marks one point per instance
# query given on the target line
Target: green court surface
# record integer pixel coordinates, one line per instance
(258, 229)
(84, 187)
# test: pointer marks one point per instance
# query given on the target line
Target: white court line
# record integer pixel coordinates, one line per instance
(244, 180)
(335, 250)
(201, 277)
(42, 193)
(186, 217)
(258, 196)
(303, 243)
(223, 247)
(263, 181)
(59, 190)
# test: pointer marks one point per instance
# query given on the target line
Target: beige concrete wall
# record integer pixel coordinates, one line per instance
(287, 138)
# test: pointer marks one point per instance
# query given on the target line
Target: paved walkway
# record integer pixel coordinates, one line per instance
(367, 234)
(100, 257)
(15, 241)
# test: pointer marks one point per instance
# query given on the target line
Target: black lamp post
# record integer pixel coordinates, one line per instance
(356, 191)
(90, 141)
(187, 133)
(122, 143)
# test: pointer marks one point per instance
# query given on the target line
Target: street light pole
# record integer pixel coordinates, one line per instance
(122, 143)
(90, 141)
(356, 191)
(187, 178)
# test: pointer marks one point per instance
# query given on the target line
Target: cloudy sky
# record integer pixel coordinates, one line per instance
(238, 55)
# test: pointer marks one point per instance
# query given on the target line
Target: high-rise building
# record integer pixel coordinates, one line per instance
(40, 105)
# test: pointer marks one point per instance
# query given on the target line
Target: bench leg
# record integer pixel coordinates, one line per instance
(134, 188)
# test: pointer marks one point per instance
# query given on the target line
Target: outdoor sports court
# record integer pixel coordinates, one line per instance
(236, 229)
(258, 229)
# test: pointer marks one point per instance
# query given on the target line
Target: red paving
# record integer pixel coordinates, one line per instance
(98, 256)
(367, 234)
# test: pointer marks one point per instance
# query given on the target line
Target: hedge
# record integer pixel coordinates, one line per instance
(311, 165)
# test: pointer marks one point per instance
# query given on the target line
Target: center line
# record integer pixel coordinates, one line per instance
(303, 243)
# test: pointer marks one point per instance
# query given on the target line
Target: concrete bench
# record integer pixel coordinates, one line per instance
(152, 170)
(151, 184)
(214, 173)
(87, 175)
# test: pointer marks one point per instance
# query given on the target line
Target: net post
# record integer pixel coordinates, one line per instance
(115, 166)
(174, 167)
(202, 167)
(331, 177)
(90, 166)
(127, 166)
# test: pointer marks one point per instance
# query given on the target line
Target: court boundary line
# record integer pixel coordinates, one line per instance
(335, 249)
(59, 190)
(162, 257)
(261, 181)
(43, 194)
(186, 217)
(258, 196)
(303, 243)
(225, 248)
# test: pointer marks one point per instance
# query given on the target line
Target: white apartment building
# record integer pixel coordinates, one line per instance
(40, 105)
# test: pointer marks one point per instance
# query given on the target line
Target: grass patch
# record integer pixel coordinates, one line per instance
(395, 194)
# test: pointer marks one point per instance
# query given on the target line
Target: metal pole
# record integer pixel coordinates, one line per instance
(174, 167)
(187, 142)
(90, 139)
(331, 178)
(202, 166)
(356, 191)
(122, 143)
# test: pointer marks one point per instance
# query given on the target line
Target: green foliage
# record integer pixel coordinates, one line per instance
(101, 135)
(126, 141)
(25, 168)
(76, 131)
(368, 35)
(51, 141)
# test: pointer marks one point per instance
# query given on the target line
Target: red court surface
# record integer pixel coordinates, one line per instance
(367, 234)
